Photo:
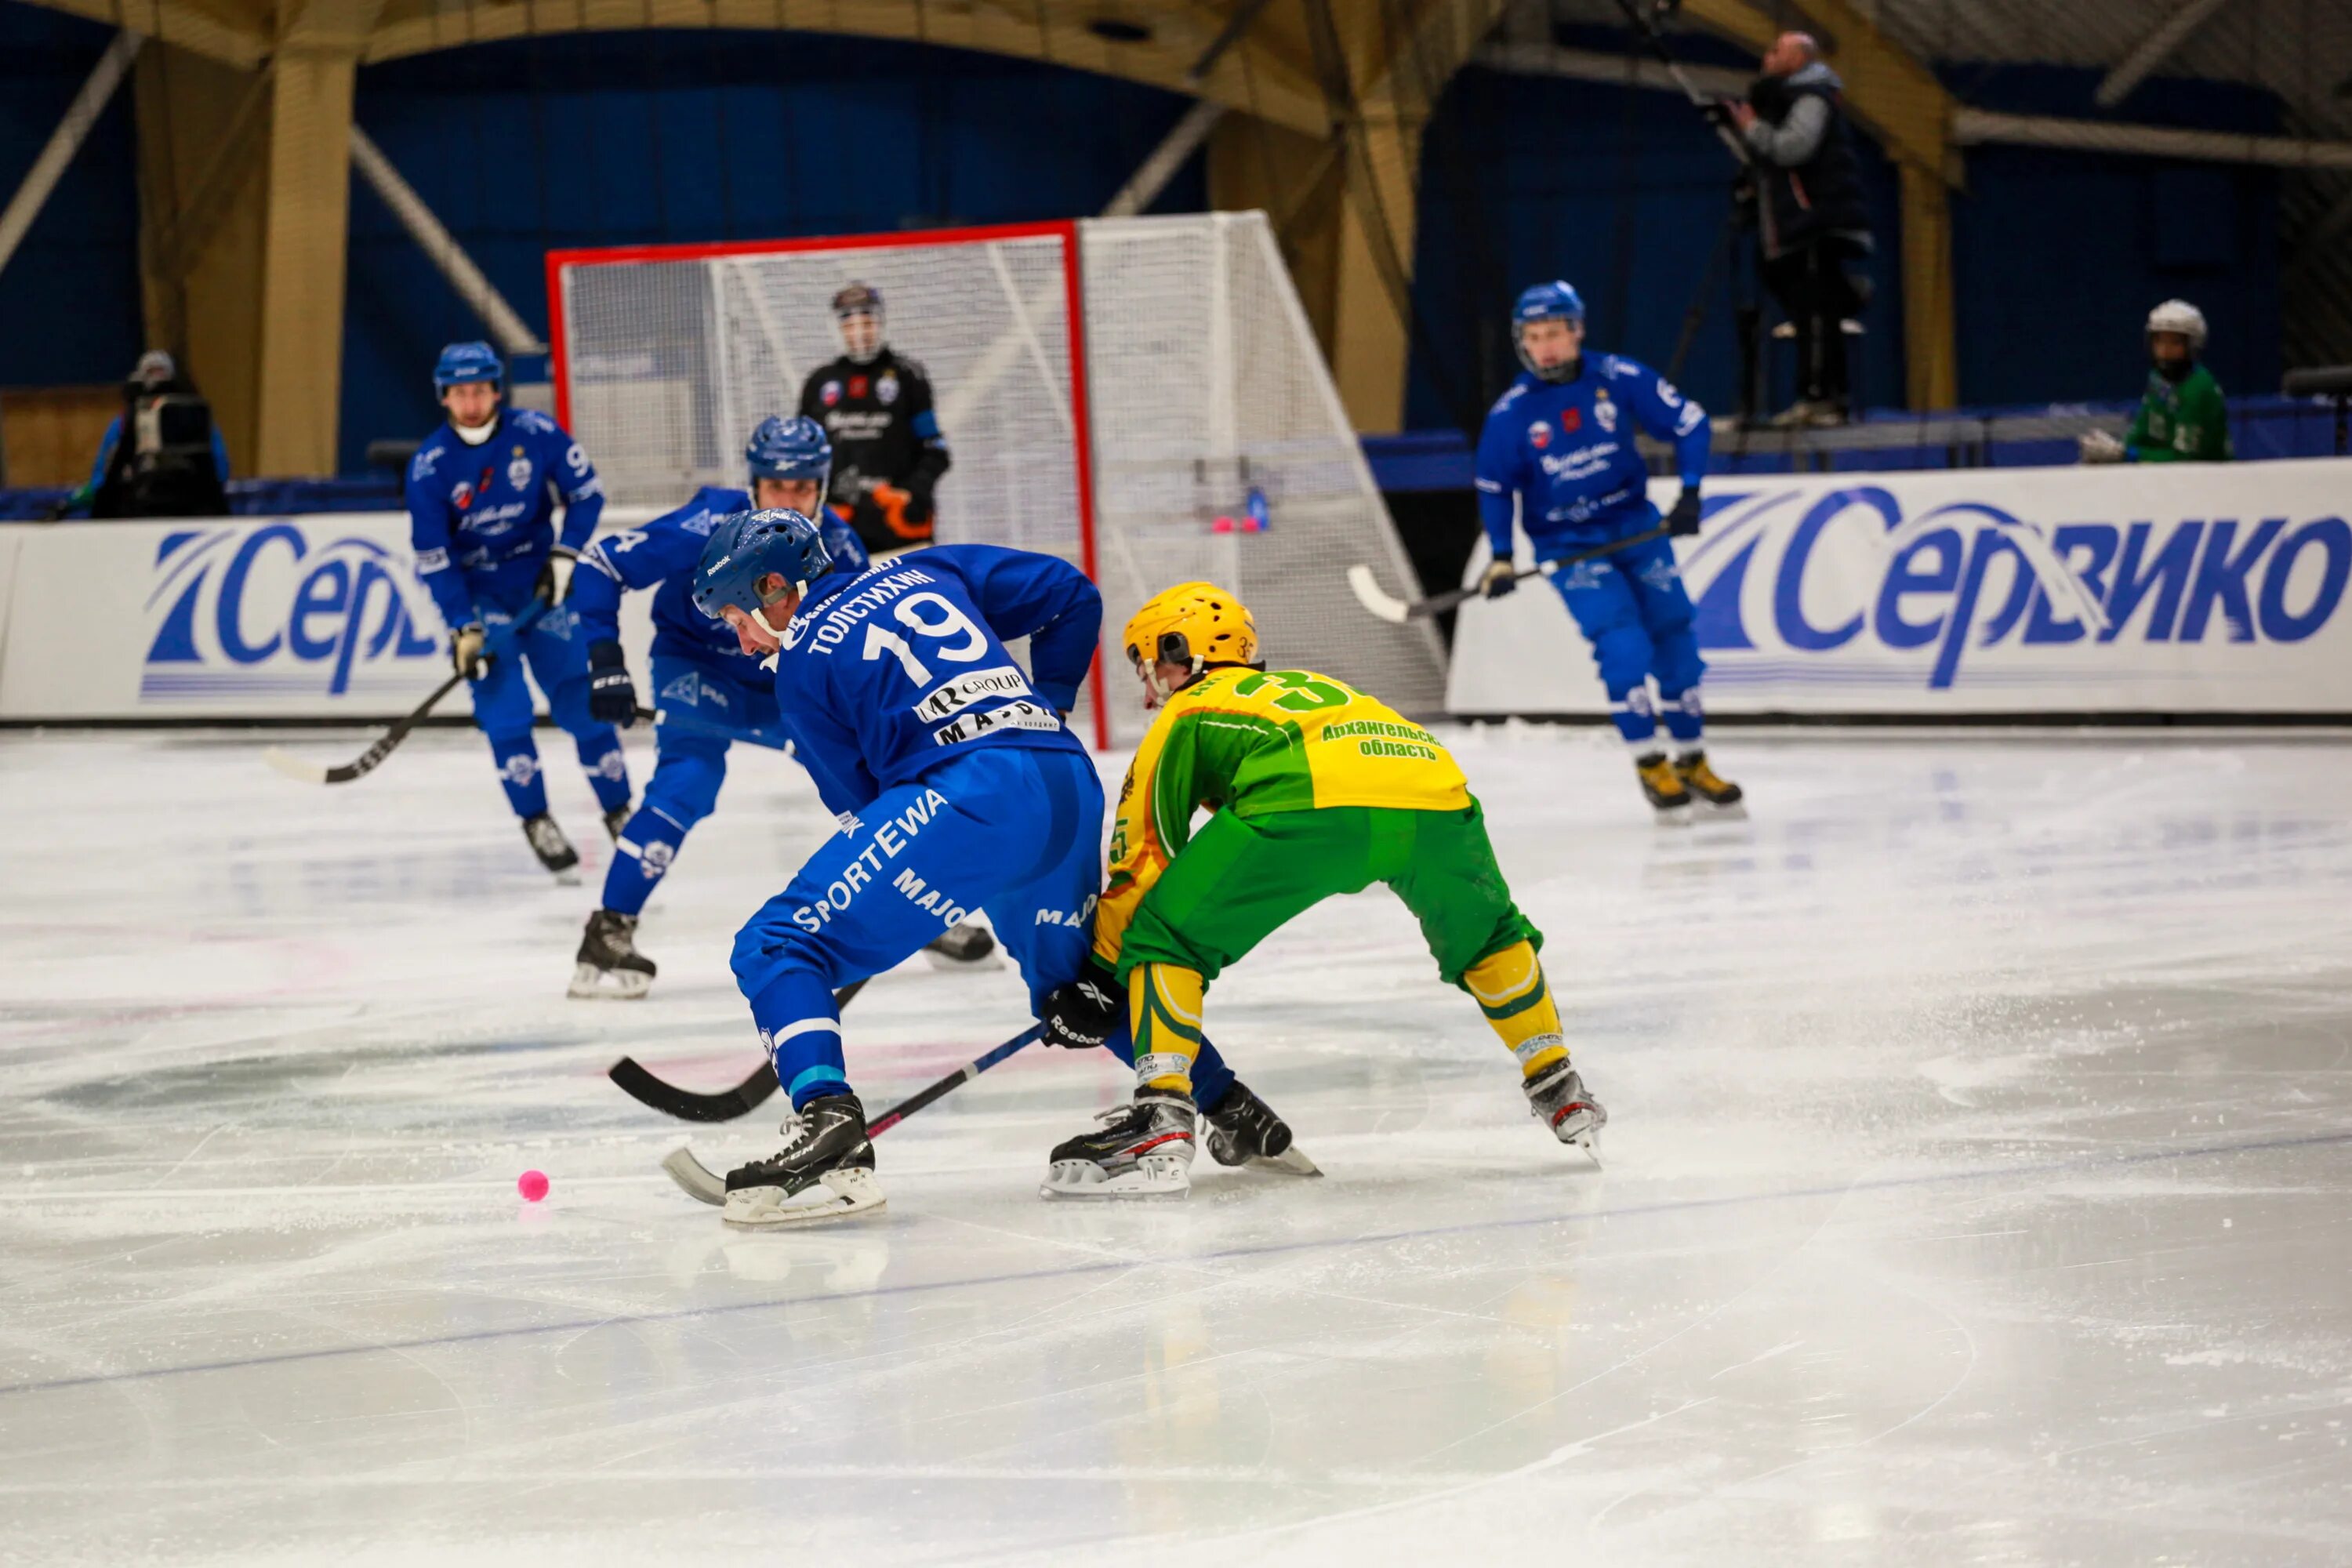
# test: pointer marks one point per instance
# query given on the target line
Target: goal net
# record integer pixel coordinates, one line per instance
(1141, 397)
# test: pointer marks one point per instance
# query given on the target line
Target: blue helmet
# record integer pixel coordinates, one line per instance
(462, 363)
(1557, 301)
(746, 546)
(795, 448)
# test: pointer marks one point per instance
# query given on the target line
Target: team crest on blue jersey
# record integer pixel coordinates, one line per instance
(829, 393)
(462, 495)
(519, 470)
(1605, 411)
(887, 388)
(1539, 434)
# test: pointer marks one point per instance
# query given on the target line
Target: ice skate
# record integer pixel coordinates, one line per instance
(964, 946)
(617, 819)
(608, 964)
(1558, 1100)
(1663, 787)
(824, 1172)
(554, 850)
(1143, 1149)
(1721, 797)
(1246, 1131)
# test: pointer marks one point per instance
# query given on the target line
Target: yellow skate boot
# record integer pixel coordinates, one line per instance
(1664, 789)
(1723, 798)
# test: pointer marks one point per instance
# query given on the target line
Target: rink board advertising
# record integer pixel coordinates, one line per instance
(2214, 589)
(225, 618)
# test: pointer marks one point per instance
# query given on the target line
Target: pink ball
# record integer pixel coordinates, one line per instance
(532, 1185)
(1222, 525)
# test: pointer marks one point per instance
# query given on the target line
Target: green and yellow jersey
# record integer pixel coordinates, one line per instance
(1255, 742)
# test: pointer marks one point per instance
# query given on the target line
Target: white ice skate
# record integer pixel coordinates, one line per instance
(825, 1171)
(608, 966)
(1560, 1101)
(1142, 1149)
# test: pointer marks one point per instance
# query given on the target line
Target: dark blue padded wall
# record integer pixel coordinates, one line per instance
(650, 137)
(69, 308)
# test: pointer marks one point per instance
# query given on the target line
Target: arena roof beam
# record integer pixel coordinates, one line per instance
(2162, 41)
(230, 34)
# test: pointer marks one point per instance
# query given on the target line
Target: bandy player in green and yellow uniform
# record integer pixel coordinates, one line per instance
(1315, 789)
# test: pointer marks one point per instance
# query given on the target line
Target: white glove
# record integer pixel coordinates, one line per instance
(2099, 447)
(555, 574)
(466, 650)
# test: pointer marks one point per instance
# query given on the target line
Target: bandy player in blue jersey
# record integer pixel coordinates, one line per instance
(962, 789)
(481, 498)
(708, 691)
(1557, 457)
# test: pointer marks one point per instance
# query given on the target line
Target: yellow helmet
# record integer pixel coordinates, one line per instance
(1193, 624)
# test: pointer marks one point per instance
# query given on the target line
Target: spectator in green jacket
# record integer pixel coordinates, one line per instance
(2182, 418)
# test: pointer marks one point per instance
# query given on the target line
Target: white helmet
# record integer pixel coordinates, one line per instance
(2180, 316)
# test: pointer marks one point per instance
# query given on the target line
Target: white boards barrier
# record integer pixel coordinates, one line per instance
(2214, 589)
(312, 617)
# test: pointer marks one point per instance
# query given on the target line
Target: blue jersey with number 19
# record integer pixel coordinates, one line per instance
(887, 674)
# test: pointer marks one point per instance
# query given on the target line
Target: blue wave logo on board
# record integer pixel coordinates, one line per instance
(1851, 570)
(266, 611)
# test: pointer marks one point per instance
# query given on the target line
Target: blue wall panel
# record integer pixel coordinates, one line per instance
(649, 138)
(69, 303)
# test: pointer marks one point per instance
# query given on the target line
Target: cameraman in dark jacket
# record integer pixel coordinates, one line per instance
(1811, 216)
(161, 455)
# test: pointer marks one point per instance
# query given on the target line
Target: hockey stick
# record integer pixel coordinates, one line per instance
(725, 1106)
(1394, 610)
(308, 771)
(703, 1185)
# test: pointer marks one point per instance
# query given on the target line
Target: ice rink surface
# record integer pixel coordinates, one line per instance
(1978, 1191)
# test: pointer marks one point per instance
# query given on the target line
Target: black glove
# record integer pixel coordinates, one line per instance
(611, 699)
(466, 655)
(918, 498)
(555, 574)
(1087, 1012)
(1501, 578)
(1682, 522)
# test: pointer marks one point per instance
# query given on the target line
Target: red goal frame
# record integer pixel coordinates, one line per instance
(1074, 290)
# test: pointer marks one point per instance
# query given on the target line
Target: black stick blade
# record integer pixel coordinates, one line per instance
(685, 1103)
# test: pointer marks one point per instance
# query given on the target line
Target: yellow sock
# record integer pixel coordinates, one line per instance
(1163, 1005)
(1510, 989)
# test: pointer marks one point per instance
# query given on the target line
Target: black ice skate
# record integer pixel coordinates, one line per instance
(1668, 796)
(1558, 1100)
(1246, 1131)
(1142, 1149)
(609, 965)
(964, 946)
(1720, 795)
(617, 819)
(554, 850)
(824, 1172)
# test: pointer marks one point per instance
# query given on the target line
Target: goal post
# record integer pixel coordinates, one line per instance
(1141, 396)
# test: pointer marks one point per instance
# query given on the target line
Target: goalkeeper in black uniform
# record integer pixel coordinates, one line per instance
(887, 452)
